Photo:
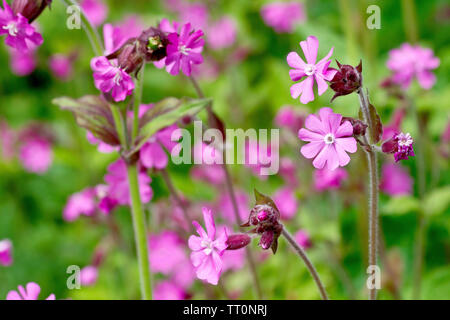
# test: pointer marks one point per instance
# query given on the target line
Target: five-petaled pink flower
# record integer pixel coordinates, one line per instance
(282, 16)
(409, 61)
(30, 293)
(207, 251)
(5, 253)
(109, 77)
(329, 140)
(311, 70)
(20, 34)
(184, 50)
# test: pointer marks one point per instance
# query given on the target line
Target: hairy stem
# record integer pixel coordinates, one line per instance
(139, 84)
(372, 189)
(230, 189)
(140, 232)
(307, 262)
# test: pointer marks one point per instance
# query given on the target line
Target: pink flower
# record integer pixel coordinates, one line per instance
(196, 14)
(95, 11)
(20, 34)
(303, 239)
(30, 293)
(282, 16)
(395, 180)
(410, 61)
(329, 179)
(286, 202)
(222, 34)
(81, 203)
(329, 140)
(257, 157)
(117, 181)
(22, 63)
(167, 27)
(207, 251)
(167, 290)
(401, 145)
(5, 253)
(88, 276)
(233, 259)
(288, 172)
(36, 154)
(210, 173)
(152, 154)
(61, 66)
(288, 117)
(109, 77)
(184, 50)
(227, 208)
(106, 203)
(101, 146)
(116, 35)
(167, 252)
(311, 70)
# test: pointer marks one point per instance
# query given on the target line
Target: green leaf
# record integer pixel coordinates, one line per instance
(165, 113)
(437, 201)
(94, 114)
(400, 205)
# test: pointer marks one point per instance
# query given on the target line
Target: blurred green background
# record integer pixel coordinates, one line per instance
(246, 95)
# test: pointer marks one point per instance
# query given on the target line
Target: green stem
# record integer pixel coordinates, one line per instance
(139, 84)
(372, 190)
(348, 28)
(119, 123)
(307, 262)
(91, 32)
(140, 232)
(409, 20)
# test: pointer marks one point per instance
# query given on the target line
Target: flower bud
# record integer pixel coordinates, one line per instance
(238, 241)
(346, 80)
(129, 57)
(359, 127)
(265, 217)
(30, 9)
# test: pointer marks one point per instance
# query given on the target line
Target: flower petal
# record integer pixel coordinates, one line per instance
(348, 144)
(294, 61)
(322, 157)
(310, 48)
(311, 149)
(306, 135)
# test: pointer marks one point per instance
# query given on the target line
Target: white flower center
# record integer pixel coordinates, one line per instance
(405, 140)
(12, 28)
(309, 69)
(329, 138)
(207, 247)
(184, 50)
(118, 77)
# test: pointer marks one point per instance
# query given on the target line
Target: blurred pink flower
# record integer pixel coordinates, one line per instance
(286, 202)
(36, 154)
(106, 203)
(20, 34)
(288, 172)
(80, 203)
(167, 252)
(61, 66)
(30, 293)
(109, 77)
(152, 154)
(329, 140)
(282, 16)
(116, 35)
(257, 157)
(7, 140)
(395, 180)
(88, 276)
(207, 250)
(101, 146)
(288, 117)
(410, 61)
(22, 63)
(303, 239)
(210, 173)
(6, 253)
(221, 34)
(95, 10)
(184, 50)
(227, 209)
(318, 72)
(196, 14)
(117, 181)
(393, 128)
(167, 290)
(329, 179)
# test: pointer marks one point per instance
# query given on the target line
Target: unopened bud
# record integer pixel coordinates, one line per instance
(30, 9)
(238, 241)
(153, 44)
(346, 80)
(359, 127)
